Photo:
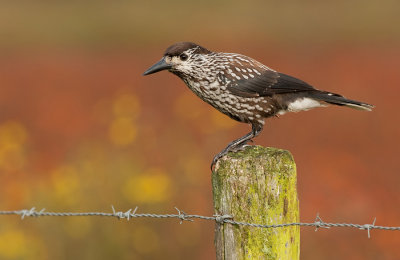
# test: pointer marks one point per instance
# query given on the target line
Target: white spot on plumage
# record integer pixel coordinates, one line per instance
(281, 112)
(246, 105)
(235, 76)
(259, 108)
(239, 63)
(242, 59)
(230, 101)
(302, 104)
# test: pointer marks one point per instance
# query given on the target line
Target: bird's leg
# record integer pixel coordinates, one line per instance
(255, 131)
(239, 143)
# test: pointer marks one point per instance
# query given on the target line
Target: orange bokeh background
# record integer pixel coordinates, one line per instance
(81, 129)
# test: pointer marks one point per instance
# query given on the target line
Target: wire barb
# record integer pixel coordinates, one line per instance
(368, 227)
(319, 223)
(182, 216)
(126, 214)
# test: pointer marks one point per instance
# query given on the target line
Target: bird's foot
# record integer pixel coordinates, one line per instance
(237, 148)
(240, 148)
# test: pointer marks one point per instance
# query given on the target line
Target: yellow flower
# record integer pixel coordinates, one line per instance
(150, 187)
(66, 184)
(122, 131)
(13, 136)
(13, 244)
(126, 105)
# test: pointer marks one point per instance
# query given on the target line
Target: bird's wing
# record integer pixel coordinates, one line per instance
(266, 82)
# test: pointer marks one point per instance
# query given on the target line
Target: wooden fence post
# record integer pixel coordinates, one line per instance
(257, 185)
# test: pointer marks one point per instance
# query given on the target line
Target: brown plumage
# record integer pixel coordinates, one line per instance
(243, 88)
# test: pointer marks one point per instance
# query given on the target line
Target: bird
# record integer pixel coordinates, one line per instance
(243, 88)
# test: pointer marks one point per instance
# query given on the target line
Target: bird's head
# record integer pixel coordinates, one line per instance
(181, 58)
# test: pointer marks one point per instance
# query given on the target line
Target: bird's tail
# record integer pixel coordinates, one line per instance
(339, 100)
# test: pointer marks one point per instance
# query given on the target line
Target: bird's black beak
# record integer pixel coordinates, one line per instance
(159, 66)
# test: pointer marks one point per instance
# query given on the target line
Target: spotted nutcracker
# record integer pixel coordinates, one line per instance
(243, 88)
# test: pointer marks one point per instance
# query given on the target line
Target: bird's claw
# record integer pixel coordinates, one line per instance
(217, 157)
(228, 149)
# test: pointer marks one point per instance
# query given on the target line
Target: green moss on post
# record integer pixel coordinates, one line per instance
(258, 186)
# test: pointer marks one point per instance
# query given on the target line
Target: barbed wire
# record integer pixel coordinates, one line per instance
(182, 216)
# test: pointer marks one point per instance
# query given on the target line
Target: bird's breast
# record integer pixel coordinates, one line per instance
(239, 108)
(210, 92)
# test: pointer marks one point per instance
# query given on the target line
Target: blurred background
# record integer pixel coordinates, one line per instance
(81, 129)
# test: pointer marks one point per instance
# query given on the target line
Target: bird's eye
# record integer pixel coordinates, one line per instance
(183, 57)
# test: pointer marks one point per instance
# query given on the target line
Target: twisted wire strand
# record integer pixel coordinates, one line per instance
(182, 216)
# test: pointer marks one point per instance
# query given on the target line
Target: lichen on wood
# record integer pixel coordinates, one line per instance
(257, 185)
